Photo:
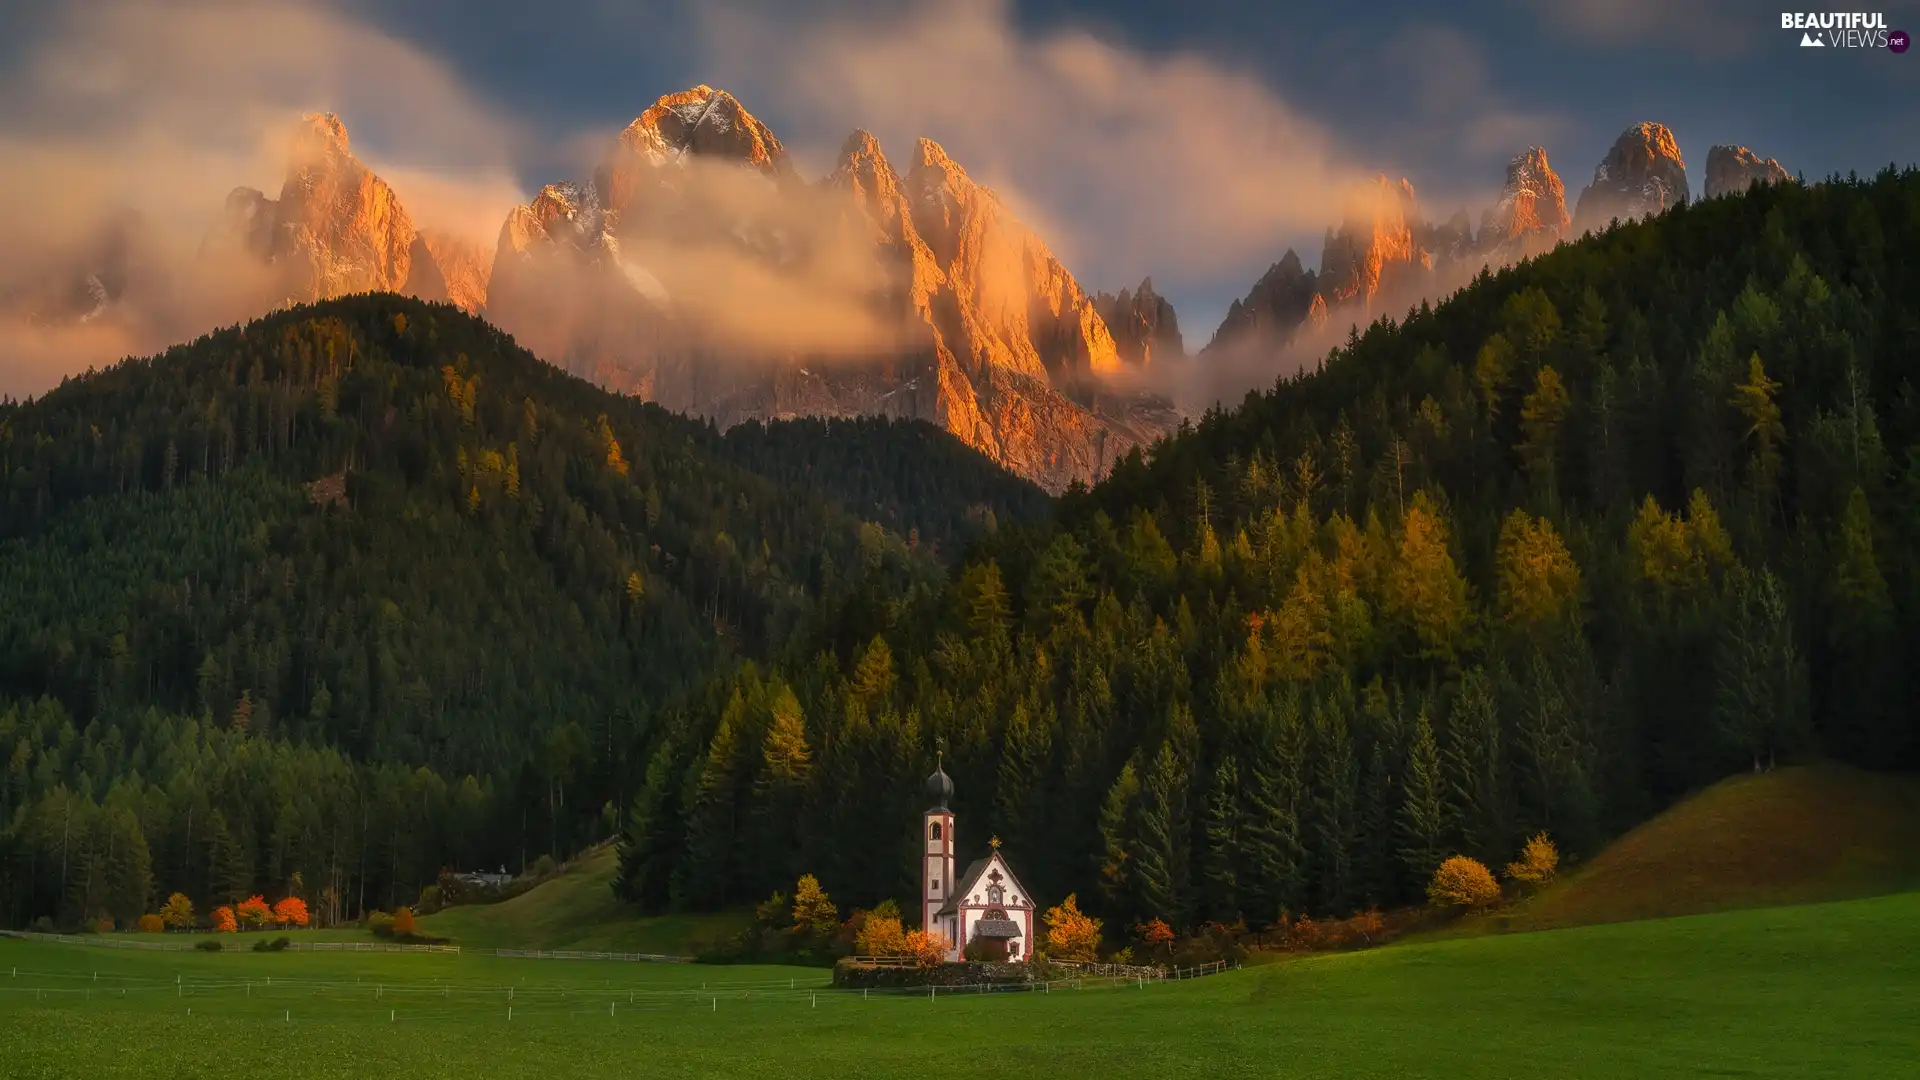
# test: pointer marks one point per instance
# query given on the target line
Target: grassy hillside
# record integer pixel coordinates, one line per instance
(1700, 996)
(1795, 835)
(578, 910)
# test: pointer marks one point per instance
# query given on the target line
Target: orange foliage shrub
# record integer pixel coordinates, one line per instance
(1536, 865)
(1154, 933)
(291, 912)
(103, 925)
(928, 948)
(402, 922)
(254, 914)
(1464, 883)
(881, 935)
(152, 924)
(223, 922)
(1071, 934)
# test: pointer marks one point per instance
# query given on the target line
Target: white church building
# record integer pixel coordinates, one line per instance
(985, 904)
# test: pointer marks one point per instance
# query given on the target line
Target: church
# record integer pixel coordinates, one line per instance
(986, 904)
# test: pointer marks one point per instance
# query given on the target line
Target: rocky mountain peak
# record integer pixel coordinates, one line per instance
(338, 228)
(1733, 169)
(1144, 326)
(1283, 299)
(704, 122)
(1374, 244)
(1642, 174)
(320, 136)
(1531, 215)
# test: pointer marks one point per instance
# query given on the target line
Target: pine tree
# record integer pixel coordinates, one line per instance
(1760, 680)
(1026, 749)
(1377, 864)
(1220, 883)
(1331, 807)
(1159, 861)
(1271, 872)
(1116, 835)
(1423, 811)
(1472, 766)
(706, 872)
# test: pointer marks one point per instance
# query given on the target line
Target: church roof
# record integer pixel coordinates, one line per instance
(975, 871)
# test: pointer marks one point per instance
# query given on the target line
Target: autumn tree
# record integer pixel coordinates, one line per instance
(1537, 862)
(928, 948)
(254, 914)
(1461, 882)
(1425, 593)
(1154, 934)
(1539, 583)
(223, 920)
(1754, 400)
(152, 924)
(815, 919)
(1541, 414)
(881, 935)
(177, 912)
(291, 912)
(1071, 934)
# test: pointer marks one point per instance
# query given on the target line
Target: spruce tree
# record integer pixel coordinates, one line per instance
(1220, 883)
(1423, 813)
(1472, 766)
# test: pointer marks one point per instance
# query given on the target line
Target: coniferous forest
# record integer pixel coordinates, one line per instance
(361, 590)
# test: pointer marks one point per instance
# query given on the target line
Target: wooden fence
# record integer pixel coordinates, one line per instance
(105, 941)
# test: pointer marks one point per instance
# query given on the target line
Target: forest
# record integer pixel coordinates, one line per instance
(362, 591)
(1598, 530)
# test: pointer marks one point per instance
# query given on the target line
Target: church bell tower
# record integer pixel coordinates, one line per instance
(936, 866)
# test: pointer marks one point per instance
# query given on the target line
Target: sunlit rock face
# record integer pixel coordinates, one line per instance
(1531, 214)
(338, 228)
(1733, 169)
(1642, 174)
(966, 318)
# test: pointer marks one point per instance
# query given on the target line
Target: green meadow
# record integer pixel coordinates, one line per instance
(1819, 990)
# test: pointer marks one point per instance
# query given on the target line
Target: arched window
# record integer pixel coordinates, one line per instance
(935, 833)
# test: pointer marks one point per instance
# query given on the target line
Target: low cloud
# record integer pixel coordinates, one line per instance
(1125, 161)
(129, 122)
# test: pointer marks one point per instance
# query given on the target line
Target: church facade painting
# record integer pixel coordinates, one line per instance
(984, 904)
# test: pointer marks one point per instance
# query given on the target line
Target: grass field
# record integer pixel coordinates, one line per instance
(1792, 836)
(577, 910)
(1816, 991)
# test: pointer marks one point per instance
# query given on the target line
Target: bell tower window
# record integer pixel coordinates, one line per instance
(934, 833)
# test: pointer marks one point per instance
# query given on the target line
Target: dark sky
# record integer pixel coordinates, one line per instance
(1442, 93)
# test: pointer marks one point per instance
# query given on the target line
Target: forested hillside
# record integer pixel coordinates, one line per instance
(362, 590)
(1600, 529)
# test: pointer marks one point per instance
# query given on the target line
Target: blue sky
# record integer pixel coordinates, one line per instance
(1230, 122)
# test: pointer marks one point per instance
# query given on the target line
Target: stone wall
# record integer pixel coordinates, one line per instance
(853, 974)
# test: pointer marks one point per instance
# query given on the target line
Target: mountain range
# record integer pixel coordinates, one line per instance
(696, 268)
